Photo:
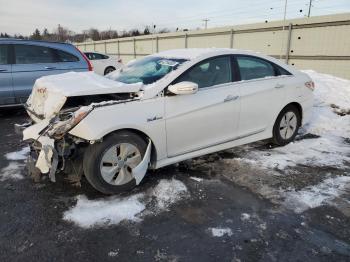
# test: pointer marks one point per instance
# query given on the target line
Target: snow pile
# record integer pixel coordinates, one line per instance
(14, 168)
(314, 196)
(112, 210)
(322, 151)
(12, 171)
(104, 212)
(18, 155)
(330, 90)
(220, 232)
(331, 114)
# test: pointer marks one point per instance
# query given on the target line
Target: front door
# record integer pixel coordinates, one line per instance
(207, 118)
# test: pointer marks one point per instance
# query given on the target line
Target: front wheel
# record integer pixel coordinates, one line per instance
(108, 165)
(286, 126)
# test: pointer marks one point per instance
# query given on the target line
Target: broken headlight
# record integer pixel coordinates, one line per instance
(66, 120)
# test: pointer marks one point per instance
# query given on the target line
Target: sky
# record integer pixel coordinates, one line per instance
(23, 16)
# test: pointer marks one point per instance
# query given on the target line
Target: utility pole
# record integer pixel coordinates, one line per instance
(205, 23)
(284, 25)
(310, 4)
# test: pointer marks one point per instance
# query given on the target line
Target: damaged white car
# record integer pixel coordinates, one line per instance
(159, 110)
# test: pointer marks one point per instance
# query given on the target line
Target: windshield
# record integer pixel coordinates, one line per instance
(146, 70)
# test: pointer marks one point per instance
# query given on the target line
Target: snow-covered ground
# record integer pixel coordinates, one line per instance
(13, 171)
(113, 210)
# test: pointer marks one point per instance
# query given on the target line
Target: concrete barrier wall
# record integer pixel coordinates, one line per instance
(320, 43)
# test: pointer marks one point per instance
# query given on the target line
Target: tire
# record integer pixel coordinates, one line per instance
(109, 70)
(102, 159)
(286, 126)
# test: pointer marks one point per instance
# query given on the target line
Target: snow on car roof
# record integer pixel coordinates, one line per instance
(192, 53)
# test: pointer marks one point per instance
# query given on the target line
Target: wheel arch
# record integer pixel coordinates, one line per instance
(296, 105)
(144, 136)
(300, 110)
(104, 72)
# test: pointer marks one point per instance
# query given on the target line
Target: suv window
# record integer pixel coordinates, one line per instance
(30, 54)
(254, 68)
(211, 72)
(3, 54)
(66, 57)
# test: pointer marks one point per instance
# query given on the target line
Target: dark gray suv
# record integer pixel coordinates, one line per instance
(22, 62)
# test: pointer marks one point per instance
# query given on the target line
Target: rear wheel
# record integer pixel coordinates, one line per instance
(109, 70)
(286, 126)
(108, 165)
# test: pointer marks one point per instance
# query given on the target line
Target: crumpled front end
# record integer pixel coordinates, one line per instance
(55, 109)
(48, 139)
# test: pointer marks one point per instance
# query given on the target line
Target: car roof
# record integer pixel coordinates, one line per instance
(194, 53)
(31, 41)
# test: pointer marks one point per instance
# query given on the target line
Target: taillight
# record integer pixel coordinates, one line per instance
(310, 85)
(90, 68)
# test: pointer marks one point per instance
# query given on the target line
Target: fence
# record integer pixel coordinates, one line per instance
(320, 43)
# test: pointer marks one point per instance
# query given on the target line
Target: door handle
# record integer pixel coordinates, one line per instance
(3, 70)
(50, 67)
(230, 98)
(279, 86)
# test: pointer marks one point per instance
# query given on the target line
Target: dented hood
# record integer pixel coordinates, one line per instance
(50, 92)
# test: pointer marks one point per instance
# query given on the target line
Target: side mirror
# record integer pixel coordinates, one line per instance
(183, 88)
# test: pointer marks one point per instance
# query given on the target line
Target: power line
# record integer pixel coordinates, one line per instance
(219, 17)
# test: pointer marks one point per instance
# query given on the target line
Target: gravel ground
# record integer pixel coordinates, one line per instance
(232, 211)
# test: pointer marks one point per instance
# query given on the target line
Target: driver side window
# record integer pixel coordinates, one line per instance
(210, 72)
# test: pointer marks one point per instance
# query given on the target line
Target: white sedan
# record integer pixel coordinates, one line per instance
(103, 64)
(162, 109)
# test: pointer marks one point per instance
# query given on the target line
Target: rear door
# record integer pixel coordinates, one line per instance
(31, 62)
(6, 90)
(262, 93)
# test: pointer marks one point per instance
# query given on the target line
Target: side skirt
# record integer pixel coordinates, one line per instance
(261, 135)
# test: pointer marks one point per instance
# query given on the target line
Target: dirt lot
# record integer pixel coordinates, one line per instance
(223, 207)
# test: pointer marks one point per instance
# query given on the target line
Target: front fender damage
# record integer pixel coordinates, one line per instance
(48, 155)
(47, 158)
(140, 170)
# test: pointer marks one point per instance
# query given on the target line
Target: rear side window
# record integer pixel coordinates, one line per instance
(95, 56)
(88, 55)
(210, 72)
(282, 72)
(254, 68)
(30, 54)
(66, 57)
(3, 54)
